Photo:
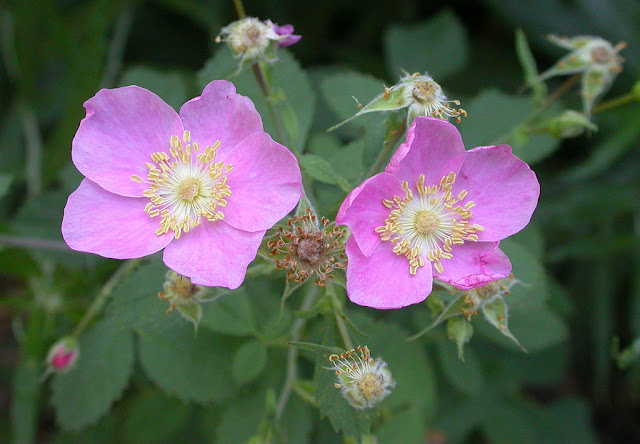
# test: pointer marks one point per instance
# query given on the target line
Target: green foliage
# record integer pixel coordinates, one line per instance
(438, 46)
(170, 86)
(84, 394)
(249, 361)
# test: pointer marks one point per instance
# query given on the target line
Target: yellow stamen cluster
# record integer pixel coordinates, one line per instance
(427, 95)
(186, 186)
(306, 248)
(429, 224)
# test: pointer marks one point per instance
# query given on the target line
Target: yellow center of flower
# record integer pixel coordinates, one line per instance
(186, 186)
(427, 225)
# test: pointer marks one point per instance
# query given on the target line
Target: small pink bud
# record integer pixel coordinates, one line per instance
(63, 355)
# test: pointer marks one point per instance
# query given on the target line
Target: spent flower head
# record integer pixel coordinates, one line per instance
(364, 382)
(437, 211)
(204, 184)
(419, 94)
(598, 61)
(251, 39)
(309, 246)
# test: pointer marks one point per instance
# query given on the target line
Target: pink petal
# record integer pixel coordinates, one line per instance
(434, 148)
(104, 223)
(474, 264)
(366, 212)
(503, 187)
(214, 254)
(382, 280)
(265, 183)
(220, 114)
(123, 126)
(349, 200)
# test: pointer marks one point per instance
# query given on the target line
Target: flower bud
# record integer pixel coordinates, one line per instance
(569, 124)
(63, 355)
(460, 331)
(364, 382)
(183, 295)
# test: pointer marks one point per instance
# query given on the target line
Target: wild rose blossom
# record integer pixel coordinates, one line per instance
(205, 185)
(436, 212)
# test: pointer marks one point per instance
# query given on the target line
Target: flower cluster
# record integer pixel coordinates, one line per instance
(364, 382)
(437, 211)
(194, 184)
(307, 247)
(251, 39)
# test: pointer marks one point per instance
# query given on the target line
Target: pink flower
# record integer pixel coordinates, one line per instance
(205, 185)
(436, 212)
(287, 37)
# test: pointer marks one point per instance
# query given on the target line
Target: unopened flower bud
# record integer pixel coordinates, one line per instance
(309, 246)
(569, 124)
(63, 355)
(364, 382)
(251, 39)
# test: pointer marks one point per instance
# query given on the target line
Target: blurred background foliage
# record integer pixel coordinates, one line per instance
(585, 232)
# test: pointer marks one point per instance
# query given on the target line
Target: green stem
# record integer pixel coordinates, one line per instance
(33, 145)
(292, 356)
(239, 9)
(103, 295)
(33, 242)
(613, 103)
(266, 92)
(116, 49)
(387, 147)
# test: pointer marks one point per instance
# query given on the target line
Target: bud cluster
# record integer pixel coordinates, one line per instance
(306, 247)
(364, 382)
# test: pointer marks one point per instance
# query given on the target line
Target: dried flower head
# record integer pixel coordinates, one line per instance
(597, 59)
(364, 382)
(178, 290)
(251, 39)
(306, 247)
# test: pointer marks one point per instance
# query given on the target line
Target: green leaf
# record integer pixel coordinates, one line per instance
(453, 309)
(249, 361)
(24, 407)
(402, 427)
(460, 331)
(466, 376)
(319, 349)
(191, 311)
(190, 368)
(340, 88)
(528, 63)
(169, 86)
(153, 417)
(533, 290)
(320, 169)
(5, 183)
(296, 99)
(566, 420)
(230, 314)
(347, 160)
(492, 115)
(84, 394)
(504, 423)
(438, 46)
(497, 313)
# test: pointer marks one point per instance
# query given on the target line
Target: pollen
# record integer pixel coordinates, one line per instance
(425, 225)
(185, 186)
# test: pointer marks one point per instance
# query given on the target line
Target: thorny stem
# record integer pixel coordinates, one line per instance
(613, 103)
(103, 295)
(387, 147)
(292, 356)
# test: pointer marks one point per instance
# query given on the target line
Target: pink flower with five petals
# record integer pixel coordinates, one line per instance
(437, 211)
(204, 184)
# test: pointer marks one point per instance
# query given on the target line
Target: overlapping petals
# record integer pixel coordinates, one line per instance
(433, 189)
(112, 213)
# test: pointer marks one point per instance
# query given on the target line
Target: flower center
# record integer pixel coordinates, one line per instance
(310, 249)
(429, 224)
(186, 186)
(424, 91)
